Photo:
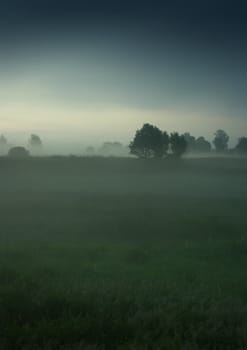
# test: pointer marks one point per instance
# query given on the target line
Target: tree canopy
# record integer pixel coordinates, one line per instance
(221, 140)
(35, 141)
(202, 145)
(149, 142)
(18, 152)
(178, 144)
(191, 142)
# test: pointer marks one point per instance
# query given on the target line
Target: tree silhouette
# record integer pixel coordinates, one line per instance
(221, 140)
(166, 141)
(35, 141)
(178, 144)
(3, 145)
(191, 142)
(149, 142)
(202, 145)
(242, 145)
(18, 152)
(3, 141)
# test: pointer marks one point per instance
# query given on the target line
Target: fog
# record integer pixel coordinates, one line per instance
(123, 167)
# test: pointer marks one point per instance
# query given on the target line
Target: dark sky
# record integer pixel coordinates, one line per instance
(183, 55)
(210, 21)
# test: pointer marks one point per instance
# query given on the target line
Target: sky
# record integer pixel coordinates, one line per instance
(85, 72)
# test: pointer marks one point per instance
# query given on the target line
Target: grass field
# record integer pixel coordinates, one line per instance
(106, 254)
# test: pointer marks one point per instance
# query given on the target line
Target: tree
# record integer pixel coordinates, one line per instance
(166, 141)
(35, 141)
(221, 140)
(3, 144)
(3, 141)
(178, 144)
(191, 142)
(242, 145)
(35, 144)
(18, 152)
(149, 142)
(202, 145)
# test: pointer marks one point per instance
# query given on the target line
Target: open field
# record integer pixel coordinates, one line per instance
(123, 254)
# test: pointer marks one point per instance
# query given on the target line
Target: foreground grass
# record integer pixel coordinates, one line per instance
(115, 254)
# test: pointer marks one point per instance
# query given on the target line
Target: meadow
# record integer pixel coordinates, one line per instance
(110, 253)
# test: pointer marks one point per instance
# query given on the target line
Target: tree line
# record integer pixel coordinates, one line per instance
(148, 142)
(151, 142)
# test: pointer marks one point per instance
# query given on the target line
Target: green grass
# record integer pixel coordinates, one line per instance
(123, 254)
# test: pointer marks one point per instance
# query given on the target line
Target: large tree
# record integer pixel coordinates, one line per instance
(178, 144)
(221, 140)
(149, 142)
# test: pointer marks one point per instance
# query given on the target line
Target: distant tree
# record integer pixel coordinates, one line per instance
(35, 141)
(221, 140)
(90, 151)
(178, 144)
(18, 152)
(242, 145)
(202, 145)
(3, 144)
(149, 142)
(191, 142)
(3, 141)
(111, 149)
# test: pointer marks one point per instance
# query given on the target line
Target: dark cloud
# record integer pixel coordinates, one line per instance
(199, 19)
